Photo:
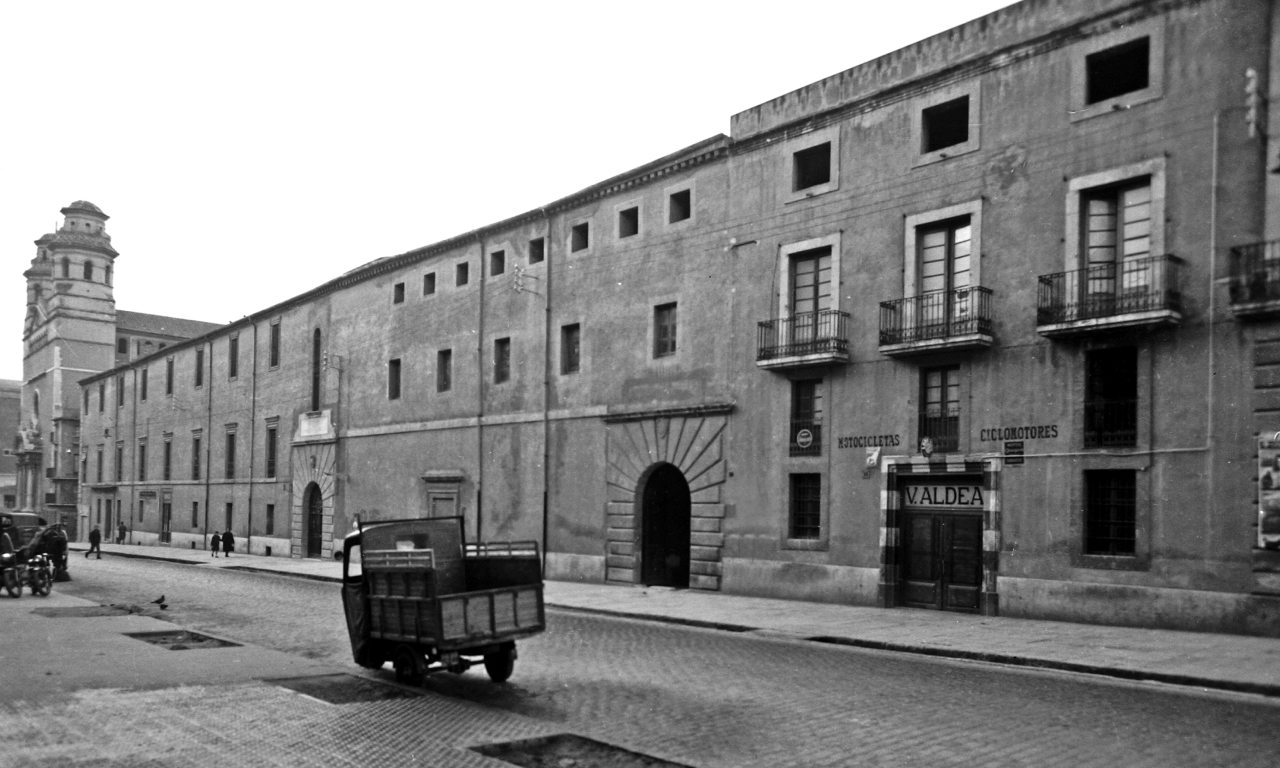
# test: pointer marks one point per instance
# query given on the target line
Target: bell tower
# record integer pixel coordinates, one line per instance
(68, 334)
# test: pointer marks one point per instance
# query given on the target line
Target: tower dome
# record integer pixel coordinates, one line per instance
(86, 207)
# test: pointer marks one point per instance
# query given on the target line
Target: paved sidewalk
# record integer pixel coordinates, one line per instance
(1216, 661)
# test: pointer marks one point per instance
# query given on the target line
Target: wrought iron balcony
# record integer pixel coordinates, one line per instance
(1110, 423)
(807, 338)
(957, 319)
(942, 427)
(1131, 293)
(806, 438)
(1255, 280)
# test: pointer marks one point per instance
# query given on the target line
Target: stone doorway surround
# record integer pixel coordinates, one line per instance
(689, 438)
(312, 463)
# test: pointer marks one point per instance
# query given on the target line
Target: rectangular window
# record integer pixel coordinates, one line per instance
(230, 516)
(811, 167)
(85, 393)
(1111, 398)
(1117, 71)
(168, 376)
(397, 293)
(570, 348)
(271, 520)
(142, 394)
(664, 330)
(142, 462)
(806, 417)
(168, 459)
(1110, 526)
(120, 391)
(428, 283)
(102, 395)
(195, 457)
(501, 360)
(233, 357)
(88, 270)
(122, 345)
(580, 237)
(274, 346)
(462, 273)
(537, 250)
(629, 222)
(1116, 233)
(393, 379)
(945, 125)
(119, 463)
(679, 206)
(806, 506)
(99, 464)
(195, 514)
(199, 368)
(497, 263)
(940, 408)
(229, 468)
(271, 452)
(444, 370)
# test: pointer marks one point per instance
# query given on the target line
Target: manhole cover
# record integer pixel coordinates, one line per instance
(181, 640)
(82, 611)
(566, 750)
(344, 689)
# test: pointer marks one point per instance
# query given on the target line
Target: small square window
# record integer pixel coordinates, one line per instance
(497, 263)
(501, 360)
(945, 125)
(629, 222)
(679, 206)
(462, 274)
(811, 167)
(428, 283)
(537, 250)
(393, 379)
(1117, 71)
(397, 293)
(579, 237)
(570, 348)
(444, 370)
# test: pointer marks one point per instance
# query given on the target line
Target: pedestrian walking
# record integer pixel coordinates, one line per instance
(120, 533)
(228, 543)
(215, 543)
(95, 542)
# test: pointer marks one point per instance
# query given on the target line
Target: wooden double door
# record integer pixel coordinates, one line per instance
(942, 560)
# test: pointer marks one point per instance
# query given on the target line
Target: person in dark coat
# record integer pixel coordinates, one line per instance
(95, 542)
(228, 543)
(215, 542)
(120, 533)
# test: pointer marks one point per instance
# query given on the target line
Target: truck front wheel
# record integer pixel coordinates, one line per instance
(501, 663)
(408, 666)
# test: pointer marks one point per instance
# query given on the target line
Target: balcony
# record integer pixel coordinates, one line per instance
(1255, 280)
(1133, 293)
(1110, 423)
(808, 338)
(806, 438)
(931, 322)
(942, 428)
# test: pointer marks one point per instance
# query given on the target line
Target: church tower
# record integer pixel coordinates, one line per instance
(68, 334)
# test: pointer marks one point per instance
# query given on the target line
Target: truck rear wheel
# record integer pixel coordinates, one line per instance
(408, 666)
(501, 663)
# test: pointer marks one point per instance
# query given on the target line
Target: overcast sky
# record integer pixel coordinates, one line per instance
(246, 152)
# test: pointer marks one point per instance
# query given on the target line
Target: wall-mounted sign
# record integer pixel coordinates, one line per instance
(804, 438)
(933, 496)
(1013, 450)
(1040, 432)
(869, 441)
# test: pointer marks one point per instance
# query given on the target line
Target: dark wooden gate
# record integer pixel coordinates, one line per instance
(942, 563)
(166, 521)
(665, 523)
(315, 520)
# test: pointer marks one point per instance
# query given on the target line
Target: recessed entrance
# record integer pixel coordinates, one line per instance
(313, 502)
(943, 567)
(664, 534)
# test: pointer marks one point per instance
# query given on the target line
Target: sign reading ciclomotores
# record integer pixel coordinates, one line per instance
(943, 496)
(1038, 432)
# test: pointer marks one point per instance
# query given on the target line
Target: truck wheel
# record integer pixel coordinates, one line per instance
(501, 663)
(408, 670)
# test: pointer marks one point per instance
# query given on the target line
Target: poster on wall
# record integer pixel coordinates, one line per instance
(1269, 491)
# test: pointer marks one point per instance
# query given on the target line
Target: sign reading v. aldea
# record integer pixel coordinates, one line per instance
(943, 496)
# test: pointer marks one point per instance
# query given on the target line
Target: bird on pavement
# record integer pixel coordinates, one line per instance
(159, 601)
(163, 606)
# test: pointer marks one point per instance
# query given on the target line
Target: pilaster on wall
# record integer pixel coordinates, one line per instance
(692, 440)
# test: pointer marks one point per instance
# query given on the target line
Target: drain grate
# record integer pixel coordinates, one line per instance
(567, 749)
(181, 640)
(344, 689)
(83, 611)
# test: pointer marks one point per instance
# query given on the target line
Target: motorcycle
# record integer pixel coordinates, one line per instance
(36, 574)
(12, 573)
(40, 575)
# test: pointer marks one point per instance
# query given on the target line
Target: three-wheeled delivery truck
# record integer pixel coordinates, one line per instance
(417, 595)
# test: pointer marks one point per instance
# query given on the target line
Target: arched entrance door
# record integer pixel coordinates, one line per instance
(313, 501)
(664, 533)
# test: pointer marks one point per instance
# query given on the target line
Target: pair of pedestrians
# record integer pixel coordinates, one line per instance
(225, 540)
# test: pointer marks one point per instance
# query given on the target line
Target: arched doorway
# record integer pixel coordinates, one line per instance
(313, 503)
(664, 532)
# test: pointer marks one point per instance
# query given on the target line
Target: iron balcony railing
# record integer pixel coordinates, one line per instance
(942, 427)
(806, 438)
(936, 315)
(1255, 273)
(807, 333)
(1106, 290)
(1110, 423)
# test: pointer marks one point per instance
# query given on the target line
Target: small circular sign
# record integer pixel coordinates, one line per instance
(804, 438)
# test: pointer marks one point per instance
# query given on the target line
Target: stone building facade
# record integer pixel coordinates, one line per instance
(987, 324)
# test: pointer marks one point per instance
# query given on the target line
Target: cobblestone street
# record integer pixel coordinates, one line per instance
(700, 697)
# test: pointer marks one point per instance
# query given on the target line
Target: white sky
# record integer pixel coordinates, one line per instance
(248, 151)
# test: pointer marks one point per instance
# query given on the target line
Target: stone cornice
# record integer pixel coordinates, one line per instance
(685, 411)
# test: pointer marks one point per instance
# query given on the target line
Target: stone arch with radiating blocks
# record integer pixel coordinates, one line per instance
(692, 440)
(313, 463)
